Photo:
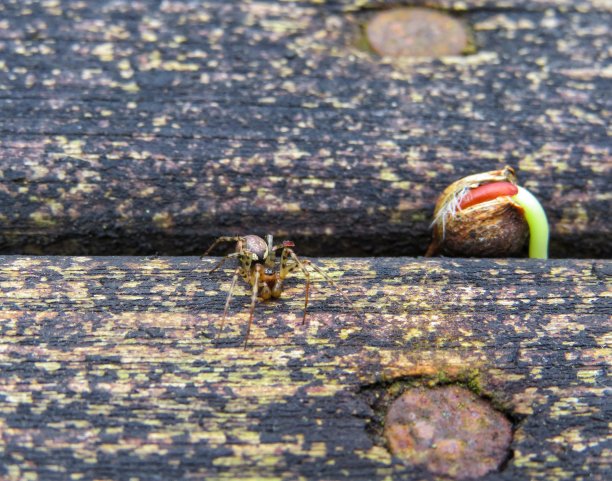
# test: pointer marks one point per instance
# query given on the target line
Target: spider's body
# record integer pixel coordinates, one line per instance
(257, 266)
(256, 259)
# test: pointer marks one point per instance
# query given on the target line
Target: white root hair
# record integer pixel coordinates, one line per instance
(449, 209)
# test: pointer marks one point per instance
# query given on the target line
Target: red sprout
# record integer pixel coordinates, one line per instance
(487, 192)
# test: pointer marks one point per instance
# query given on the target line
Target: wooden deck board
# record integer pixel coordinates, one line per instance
(145, 127)
(108, 369)
(148, 127)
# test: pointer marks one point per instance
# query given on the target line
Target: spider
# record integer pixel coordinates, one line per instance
(256, 265)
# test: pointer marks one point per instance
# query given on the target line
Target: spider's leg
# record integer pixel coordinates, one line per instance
(222, 261)
(220, 240)
(329, 281)
(286, 269)
(227, 302)
(253, 300)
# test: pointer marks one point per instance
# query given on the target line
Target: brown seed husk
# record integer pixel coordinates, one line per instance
(492, 229)
(496, 228)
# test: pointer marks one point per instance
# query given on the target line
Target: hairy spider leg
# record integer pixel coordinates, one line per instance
(255, 283)
(222, 261)
(302, 265)
(287, 268)
(227, 303)
(329, 280)
(238, 239)
(243, 270)
(271, 259)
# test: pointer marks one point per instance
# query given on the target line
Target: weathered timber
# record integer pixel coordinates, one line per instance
(108, 369)
(152, 127)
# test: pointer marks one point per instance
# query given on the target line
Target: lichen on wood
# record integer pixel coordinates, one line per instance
(108, 368)
(144, 127)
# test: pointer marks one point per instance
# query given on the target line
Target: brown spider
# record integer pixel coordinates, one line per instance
(256, 265)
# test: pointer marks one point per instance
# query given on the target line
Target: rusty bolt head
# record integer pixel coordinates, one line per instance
(449, 430)
(416, 32)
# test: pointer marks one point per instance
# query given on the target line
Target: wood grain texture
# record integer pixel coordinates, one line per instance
(108, 370)
(148, 126)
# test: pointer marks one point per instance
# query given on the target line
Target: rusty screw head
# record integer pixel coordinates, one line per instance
(449, 430)
(416, 32)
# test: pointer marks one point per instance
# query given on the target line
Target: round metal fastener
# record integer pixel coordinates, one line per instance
(416, 32)
(449, 430)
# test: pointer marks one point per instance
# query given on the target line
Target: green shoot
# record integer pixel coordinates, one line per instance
(538, 224)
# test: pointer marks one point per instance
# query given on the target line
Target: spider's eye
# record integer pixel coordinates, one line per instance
(269, 272)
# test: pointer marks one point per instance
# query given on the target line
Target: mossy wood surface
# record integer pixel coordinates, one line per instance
(108, 369)
(152, 127)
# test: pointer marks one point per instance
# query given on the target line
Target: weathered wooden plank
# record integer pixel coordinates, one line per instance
(108, 369)
(146, 127)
